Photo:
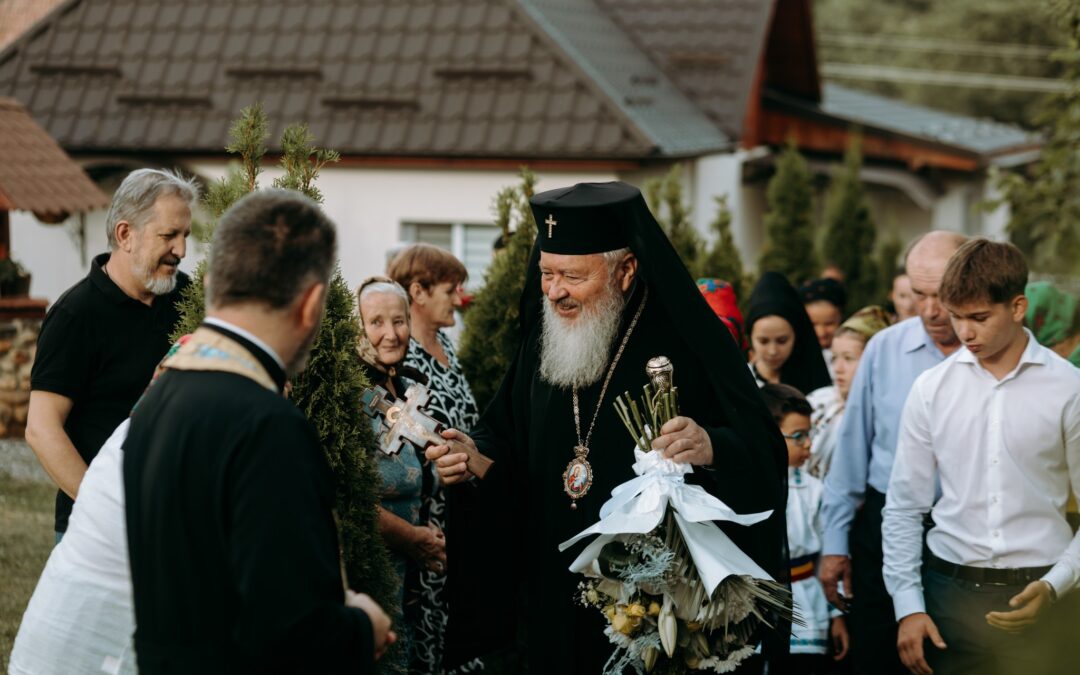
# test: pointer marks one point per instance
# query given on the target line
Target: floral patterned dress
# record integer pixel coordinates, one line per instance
(401, 475)
(451, 403)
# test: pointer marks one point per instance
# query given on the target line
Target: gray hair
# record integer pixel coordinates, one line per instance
(135, 198)
(613, 258)
(389, 287)
(267, 247)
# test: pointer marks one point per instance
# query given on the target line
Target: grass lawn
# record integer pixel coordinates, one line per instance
(26, 538)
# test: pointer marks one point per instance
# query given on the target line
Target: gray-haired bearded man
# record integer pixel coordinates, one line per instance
(605, 292)
(102, 339)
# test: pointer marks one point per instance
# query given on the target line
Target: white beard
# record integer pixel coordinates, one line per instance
(576, 354)
(160, 285)
(156, 285)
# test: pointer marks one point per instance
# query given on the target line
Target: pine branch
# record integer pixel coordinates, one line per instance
(247, 138)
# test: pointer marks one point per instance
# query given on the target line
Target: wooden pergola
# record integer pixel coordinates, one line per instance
(36, 175)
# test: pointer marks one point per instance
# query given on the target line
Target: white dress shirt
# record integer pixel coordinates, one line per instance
(1005, 452)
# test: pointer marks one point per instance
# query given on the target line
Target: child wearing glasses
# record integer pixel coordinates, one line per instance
(824, 631)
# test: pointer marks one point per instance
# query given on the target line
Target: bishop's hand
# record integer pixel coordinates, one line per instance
(450, 460)
(684, 441)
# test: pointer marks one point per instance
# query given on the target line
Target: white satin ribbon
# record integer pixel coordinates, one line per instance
(638, 506)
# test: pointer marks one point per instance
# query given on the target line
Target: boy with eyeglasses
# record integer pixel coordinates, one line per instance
(825, 630)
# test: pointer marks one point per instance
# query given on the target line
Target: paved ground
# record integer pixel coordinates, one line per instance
(18, 461)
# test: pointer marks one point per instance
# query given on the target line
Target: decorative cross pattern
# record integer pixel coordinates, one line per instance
(550, 222)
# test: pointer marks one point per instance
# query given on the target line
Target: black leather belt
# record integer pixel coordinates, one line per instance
(1015, 576)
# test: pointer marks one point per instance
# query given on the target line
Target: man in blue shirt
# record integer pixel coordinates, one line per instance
(859, 476)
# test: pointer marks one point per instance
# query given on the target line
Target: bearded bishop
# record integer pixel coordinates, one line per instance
(605, 293)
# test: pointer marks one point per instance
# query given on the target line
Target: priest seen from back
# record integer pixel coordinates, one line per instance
(605, 292)
(234, 549)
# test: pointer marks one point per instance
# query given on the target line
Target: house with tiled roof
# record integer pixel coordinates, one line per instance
(434, 104)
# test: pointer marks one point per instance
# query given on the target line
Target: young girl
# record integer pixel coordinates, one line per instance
(824, 627)
(784, 347)
(828, 402)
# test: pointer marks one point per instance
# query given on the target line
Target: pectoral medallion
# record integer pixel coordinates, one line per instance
(578, 477)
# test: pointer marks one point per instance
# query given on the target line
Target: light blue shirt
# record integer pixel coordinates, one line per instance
(865, 448)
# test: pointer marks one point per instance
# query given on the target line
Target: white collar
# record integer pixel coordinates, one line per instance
(245, 334)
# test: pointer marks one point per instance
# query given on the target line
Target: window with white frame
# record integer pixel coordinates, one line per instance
(469, 242)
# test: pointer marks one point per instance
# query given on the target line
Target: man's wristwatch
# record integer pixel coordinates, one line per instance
(1053, 593)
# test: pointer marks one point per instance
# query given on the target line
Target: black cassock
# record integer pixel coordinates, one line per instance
(506, 530)
(234, 551)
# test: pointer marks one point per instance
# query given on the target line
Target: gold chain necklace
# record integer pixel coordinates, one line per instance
(578, 477)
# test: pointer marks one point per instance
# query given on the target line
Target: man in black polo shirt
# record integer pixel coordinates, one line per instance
(100, 342)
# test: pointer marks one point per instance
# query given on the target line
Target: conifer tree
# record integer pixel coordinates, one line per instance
(849, 231)
(888, 262)
(723, 260)
(1044, 202)
(492, 325)
(665, 198)
(329, 390)
(789, 229)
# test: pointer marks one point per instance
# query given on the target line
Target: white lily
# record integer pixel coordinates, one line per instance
(667, 626)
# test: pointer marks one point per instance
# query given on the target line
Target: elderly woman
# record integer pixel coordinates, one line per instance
(383, 341)
(828, 402)
(433, 278)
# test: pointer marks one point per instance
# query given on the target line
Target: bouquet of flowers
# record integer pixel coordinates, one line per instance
(678, 594)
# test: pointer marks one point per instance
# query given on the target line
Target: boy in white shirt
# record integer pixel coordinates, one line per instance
(998, 425)
(824, 630)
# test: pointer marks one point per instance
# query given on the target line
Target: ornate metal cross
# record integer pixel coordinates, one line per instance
(404, 421)
(550, 222)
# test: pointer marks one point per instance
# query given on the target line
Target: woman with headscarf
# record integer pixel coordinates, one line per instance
(828, 402)
(1054, 319)
(432, 278)
(382, 345)
(784, 347)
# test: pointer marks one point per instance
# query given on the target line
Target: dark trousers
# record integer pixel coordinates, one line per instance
(871, 622)
(959, 610)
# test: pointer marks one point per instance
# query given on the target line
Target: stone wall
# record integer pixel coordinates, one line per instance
(18, 343)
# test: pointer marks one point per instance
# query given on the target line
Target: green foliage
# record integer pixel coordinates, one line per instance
(247, 138)
(931, 36)
(328, 391)
(849, 231)
(664, 196)
(492, 325)
(789, 228)
(888, 261)
(1044, 200)
(191, 305)
(302, 161)
(723, 260)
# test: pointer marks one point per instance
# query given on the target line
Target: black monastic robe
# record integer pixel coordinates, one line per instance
(234, 550)
(506, 530)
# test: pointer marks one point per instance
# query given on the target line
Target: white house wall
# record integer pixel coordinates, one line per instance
(368, 204)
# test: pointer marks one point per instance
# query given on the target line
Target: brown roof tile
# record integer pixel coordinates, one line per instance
(419, 77)
(35, 174)
(709, 48)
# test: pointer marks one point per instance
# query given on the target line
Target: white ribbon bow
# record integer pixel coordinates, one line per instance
(638, 506)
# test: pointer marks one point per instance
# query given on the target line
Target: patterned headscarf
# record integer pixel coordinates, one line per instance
(1050, 312)
(721, 298)
(363, 343)
(868, 321)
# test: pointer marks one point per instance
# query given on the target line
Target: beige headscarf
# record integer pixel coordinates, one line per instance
(867, 322)
(364, 348)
